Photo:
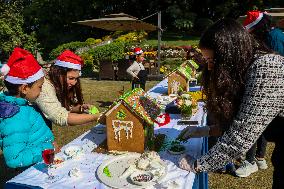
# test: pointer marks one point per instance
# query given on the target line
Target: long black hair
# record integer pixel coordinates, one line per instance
(58, 77)
(234, 51)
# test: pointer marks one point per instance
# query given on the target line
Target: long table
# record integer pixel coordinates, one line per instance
(34, 177)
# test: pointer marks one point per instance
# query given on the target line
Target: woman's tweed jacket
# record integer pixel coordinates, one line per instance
(263, 100)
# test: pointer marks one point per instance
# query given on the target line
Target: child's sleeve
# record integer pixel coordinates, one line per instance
(19, 155)
(50, 105)
(18, 149)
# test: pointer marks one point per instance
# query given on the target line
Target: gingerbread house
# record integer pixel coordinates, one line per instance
(179, 78)
(129, 122)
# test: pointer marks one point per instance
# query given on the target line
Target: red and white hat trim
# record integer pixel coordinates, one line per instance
(139, 52)
(30, 79)
(67, 65)
(260, 16)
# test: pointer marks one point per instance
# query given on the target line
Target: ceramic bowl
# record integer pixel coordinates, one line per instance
(176, 149)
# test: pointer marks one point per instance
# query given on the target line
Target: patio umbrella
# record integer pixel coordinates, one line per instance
(118, 22)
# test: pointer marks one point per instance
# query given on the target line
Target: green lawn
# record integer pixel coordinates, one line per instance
(102, 94)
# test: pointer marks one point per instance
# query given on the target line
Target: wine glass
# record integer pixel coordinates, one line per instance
(48, 158)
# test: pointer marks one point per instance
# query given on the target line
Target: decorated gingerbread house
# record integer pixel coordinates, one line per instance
(130, 122)
(179, 78)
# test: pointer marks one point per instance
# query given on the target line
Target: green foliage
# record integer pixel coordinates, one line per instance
(183, 24)
(172, 63)
(88, 69)
(92, 41)
(202, 24)
(12, 32)
(113, 51)
(73, 46)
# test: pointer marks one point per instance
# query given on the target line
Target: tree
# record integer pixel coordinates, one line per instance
(12, 33)
(52, 20)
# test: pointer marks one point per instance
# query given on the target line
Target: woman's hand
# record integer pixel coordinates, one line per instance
(85, 108)
(102, 119)
(193, 132)
(186, 162)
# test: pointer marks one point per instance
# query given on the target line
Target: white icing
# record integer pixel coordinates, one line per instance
(128, 171)
(119, 125)
(175, 87)
(143, 163)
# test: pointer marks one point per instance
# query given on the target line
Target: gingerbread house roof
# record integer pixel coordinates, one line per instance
(184, 69)
(140, 104)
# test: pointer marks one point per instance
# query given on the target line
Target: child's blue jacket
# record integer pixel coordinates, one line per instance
(23, 132)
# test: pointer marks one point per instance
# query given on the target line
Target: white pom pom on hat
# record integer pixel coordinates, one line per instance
(4, 70)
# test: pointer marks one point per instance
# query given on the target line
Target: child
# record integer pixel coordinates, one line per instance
(137, 70)
(23, 132)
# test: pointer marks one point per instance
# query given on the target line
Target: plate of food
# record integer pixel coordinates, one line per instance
(58, 161)
(73, 151)
(176, 149)
(142, 178)
(125, 171)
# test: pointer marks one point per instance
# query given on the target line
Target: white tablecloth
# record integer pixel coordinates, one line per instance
(88, 162)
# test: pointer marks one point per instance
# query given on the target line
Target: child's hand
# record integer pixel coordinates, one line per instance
(56, 147)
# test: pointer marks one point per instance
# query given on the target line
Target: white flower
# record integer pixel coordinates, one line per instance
(186, 96)
(188, 102)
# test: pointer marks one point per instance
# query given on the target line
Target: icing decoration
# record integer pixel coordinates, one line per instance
(121, 115)
(193, 64)
(142, 105)
(175, 87)
(185, 69)
(107, 172)
(119, 125)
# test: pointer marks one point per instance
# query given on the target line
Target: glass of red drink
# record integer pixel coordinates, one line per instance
(48, 158)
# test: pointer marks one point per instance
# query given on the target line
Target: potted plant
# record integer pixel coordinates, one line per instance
(186, 105)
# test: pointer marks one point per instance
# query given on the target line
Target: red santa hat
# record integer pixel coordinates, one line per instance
(68, 59)
(254, 18)
(138, 51)
(21, 68)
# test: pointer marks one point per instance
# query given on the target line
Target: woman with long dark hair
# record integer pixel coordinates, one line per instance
(244, 86)
(61, 99)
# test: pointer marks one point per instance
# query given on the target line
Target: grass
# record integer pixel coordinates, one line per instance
(102, 94)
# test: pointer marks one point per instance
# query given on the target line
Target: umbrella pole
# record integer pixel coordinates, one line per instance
(159, 40)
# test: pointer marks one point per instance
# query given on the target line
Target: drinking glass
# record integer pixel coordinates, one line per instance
(48, 158)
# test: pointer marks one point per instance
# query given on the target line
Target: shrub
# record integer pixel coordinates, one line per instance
(71, 46)
(202, 24)
(92, 41)
(113, 51)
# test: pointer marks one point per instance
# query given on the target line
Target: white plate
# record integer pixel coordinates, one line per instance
(117, 166)
(73, 151)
